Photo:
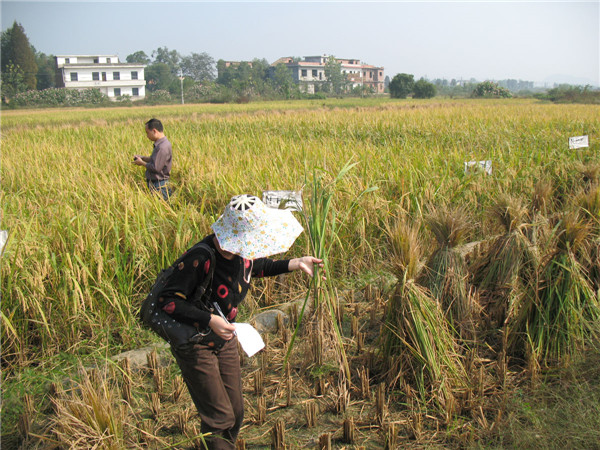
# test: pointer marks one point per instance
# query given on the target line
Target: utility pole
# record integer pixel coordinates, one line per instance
(181, 80)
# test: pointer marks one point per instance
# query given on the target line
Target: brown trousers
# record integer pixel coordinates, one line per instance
(214, 380)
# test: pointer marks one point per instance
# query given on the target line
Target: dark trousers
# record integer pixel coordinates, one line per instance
(214, 380)
(160, 186)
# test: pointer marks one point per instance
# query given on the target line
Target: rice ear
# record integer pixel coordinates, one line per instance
(510, 211)
(590, 205)
(542, 196)
(405, 247)
(450, 226)
(590, 173)
(572, 233)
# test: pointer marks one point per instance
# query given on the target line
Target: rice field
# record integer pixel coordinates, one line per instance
(86, 242)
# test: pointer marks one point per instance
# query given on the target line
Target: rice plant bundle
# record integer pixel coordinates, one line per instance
(416, 341)
(445, 273)
(594, 266)
(507, 265)
(590, 206)
(590, 173)
(564, 310)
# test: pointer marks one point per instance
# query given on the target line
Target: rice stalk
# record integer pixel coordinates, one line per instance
(90, 416)
(323, 225)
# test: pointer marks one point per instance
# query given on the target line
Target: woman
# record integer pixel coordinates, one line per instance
(243, 237)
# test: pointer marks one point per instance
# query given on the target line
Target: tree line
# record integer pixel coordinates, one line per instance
(197, 77)
(167, 72)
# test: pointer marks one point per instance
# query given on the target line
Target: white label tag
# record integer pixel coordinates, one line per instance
(291, 200)
(3, 239)
(474, 166)
(579, 142)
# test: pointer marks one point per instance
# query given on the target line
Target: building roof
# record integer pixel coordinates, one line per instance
(288, 60)
(86, 56)
(101, 66)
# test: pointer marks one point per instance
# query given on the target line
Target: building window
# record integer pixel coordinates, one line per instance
(314, 73)
(303, 72)
(135, 92)
(134, 76)
(96, 60)
(96, 76)
(117, 92)
(107, 60)
(73, 76)
(116, 75)
(103, 76)
(67, 60)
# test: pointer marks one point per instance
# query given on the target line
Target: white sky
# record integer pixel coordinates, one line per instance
(535, 41)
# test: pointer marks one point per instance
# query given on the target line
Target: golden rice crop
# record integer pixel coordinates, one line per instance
(86, 240)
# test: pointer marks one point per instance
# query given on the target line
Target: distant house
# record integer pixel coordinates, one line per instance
(103, 72)
(310, 72)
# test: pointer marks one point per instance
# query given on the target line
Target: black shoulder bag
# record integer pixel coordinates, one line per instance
(172, 331)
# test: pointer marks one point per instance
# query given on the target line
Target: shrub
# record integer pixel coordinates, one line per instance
(159, 96)
(61, 97)
(572, 94)
(424, 89)
(489, 89)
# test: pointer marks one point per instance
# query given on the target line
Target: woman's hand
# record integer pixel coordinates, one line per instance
(306, 264)
(221, 327)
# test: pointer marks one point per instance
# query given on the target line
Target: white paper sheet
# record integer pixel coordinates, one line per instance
(249, 338)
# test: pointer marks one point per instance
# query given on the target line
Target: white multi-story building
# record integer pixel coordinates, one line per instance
(311, 72)
(103, 72)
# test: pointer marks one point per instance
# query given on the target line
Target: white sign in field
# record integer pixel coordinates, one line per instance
(3, 239)
(475, 166)
(291, 200)
(579, 142)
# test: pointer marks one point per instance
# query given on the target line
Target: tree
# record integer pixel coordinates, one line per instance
(198, 66)
(241, 82)
(46, 74)
(386, 84)
(12, 82)
(225, 75)
(171, 58)
(423, 89)
(282, 78)
(402, 85)
(159, 77)
(334, 75)
(138, 57)
(18, 54)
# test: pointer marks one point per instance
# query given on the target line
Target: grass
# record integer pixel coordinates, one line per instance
(86, 240)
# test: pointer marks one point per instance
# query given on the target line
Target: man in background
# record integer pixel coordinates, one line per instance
(158, 165)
